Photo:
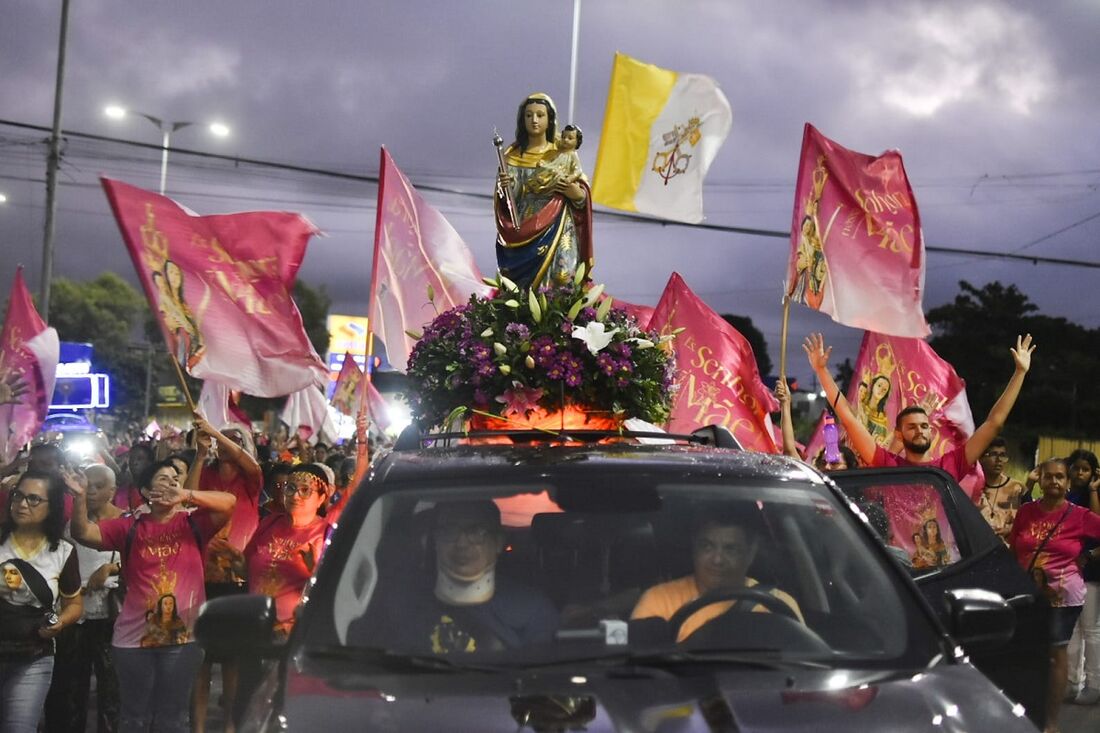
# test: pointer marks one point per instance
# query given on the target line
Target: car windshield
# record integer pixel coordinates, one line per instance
(549, 573)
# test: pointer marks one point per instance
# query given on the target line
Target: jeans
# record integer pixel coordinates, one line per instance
(81, 649)
(1084, 648)
(156, 685)
(23, 687)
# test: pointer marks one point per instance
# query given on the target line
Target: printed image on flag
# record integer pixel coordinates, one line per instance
(661, 131)
(857, 253)
(345, 395)
(717, 378)
(221, 289)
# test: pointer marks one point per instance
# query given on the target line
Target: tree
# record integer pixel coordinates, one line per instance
(104, 312)
(314, 306)
(974, 334)
(756, 340)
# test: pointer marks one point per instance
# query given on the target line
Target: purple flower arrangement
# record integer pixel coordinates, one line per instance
(520, 351)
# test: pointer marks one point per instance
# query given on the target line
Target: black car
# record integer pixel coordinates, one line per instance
(825, 631)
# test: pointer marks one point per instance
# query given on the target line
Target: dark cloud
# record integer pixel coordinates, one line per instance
(980, 98)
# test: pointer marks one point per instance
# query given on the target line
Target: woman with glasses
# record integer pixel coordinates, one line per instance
(283, 553)
(39, 597)
(162, 568)
(287, 546)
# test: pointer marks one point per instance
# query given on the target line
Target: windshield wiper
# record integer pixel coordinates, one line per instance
(393, 661)
(761, 658)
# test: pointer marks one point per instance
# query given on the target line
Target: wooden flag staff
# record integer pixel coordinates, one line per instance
(183, 383)
(783, 339)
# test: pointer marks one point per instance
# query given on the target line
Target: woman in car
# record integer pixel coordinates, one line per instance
(162, 567)
(39, 568)
(1049, 534)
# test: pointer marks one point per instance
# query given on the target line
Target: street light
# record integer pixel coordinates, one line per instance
(3, 199)
(217, 129)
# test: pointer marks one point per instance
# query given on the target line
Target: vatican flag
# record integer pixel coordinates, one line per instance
(661, 130)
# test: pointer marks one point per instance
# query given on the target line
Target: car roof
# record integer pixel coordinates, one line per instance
(522, 463)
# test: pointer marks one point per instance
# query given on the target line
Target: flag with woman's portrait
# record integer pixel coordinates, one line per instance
(718, 381)
(220, 287)
(857, 252)
(29, 352)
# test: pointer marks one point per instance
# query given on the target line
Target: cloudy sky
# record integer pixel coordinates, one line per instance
(994, 106)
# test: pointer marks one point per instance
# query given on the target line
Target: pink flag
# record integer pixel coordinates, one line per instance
(643, 313)
(892, 373)
(220, 406)
(718, 380)
(348, 392)
(307, 413)
(421, 266)
(857, 252)
(29, 351)
(220, 286)
(345, 396)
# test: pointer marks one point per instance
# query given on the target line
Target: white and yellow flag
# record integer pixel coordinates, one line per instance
(661, 131)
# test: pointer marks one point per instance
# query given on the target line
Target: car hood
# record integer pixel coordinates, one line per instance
(946, 698)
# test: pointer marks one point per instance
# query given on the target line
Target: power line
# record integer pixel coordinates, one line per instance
(622, 216)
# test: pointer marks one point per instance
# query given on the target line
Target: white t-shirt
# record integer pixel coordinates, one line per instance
(49, 563)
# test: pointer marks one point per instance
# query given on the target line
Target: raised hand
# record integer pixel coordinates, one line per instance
(816, 351)
(12, 386)
(782, 393)
(75, 481)
(1022, 353)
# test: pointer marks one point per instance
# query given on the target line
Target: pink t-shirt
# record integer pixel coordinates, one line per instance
(953, 462)
(276, 566)
(241, 526)
(1058, 558)
(164, 578)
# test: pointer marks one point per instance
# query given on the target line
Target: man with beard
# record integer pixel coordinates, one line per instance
(912, 426)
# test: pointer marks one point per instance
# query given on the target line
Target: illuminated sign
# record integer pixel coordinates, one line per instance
(74, 369)
(347, 334)
(81, 392)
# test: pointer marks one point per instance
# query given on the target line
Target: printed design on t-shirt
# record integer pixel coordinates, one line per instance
(280, 549)
(14, 589)
(448, 637)
(163, 624)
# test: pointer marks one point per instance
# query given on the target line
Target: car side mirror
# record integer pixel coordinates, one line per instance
(236, 625)
(979, 617)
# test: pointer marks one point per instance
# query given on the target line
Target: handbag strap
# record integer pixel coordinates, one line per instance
(1031, 565)
(34, 580)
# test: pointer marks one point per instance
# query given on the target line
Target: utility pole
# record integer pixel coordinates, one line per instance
(52, 163)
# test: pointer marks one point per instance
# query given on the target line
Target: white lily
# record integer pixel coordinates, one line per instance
(643, 343)
(594, 336)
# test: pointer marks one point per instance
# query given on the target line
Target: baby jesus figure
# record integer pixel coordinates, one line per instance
(562, 166)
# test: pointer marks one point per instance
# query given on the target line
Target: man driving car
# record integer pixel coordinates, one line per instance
(723, 547)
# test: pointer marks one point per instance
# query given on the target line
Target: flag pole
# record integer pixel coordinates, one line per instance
(783, 339)
(183, 383)
(573, 61)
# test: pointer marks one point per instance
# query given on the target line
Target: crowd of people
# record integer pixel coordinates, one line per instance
(1054, 532)
(108, 559)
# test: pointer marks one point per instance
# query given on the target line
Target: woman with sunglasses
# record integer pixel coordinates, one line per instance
(161, 556)
(39, 596)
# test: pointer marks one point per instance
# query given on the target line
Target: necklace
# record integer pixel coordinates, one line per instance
(991, 486)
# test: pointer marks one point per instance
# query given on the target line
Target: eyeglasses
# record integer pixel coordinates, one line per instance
(994, 455)
(31, 500)
(303, 492)
(474, 533)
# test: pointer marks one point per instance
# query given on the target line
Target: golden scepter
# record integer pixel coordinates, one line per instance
(502, 190)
